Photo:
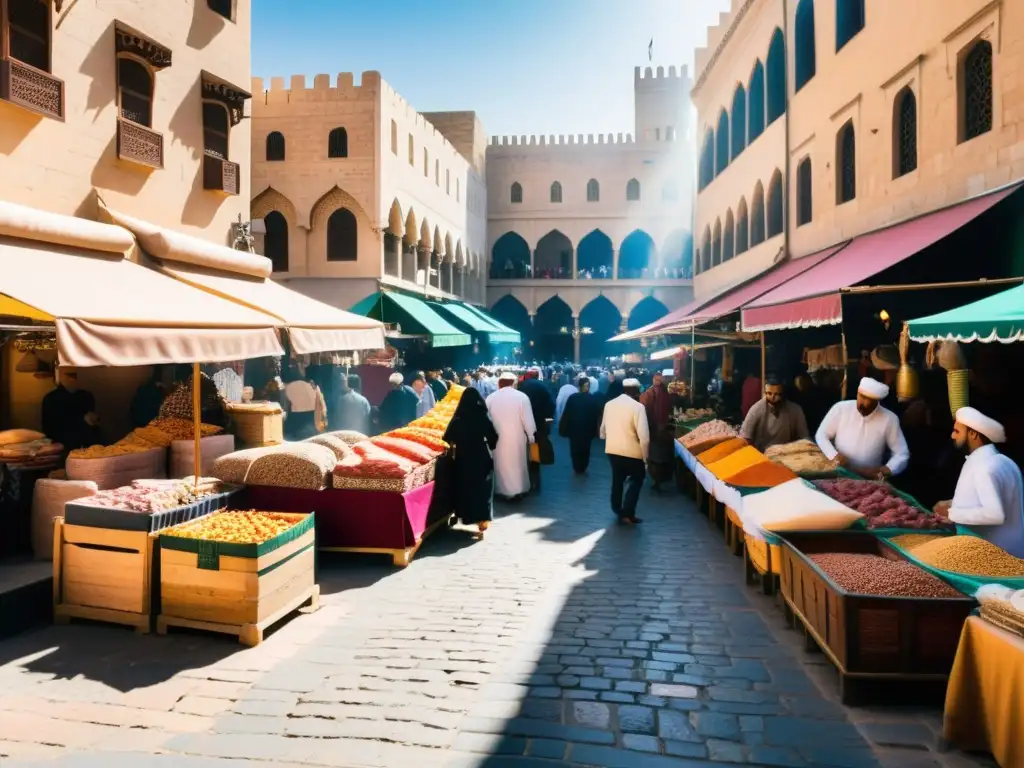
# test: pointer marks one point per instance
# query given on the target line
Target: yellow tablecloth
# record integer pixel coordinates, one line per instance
(985, 697)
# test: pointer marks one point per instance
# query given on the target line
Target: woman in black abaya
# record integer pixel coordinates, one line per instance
(470, 434)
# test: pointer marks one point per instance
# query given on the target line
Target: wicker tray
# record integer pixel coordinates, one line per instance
(81, 513)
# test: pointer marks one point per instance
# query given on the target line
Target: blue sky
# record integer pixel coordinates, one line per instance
(525, 67)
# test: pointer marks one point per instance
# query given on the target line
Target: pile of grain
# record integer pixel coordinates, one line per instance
(911, 541)
(874, 575)
(233, 467)
(970, 555)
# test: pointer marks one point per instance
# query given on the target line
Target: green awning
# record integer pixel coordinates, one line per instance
(997, 318)
(414, 316)
(462, 316)
(500, 326)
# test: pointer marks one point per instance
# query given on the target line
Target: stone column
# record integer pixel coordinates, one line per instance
(423, 257)
(533, 260)
(576, 339)
(615, 264)
(398, 257)
(575, 263)
(451, 277)
(462, 283)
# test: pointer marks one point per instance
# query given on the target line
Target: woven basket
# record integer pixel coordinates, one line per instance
(1004, 617)
(958, 383)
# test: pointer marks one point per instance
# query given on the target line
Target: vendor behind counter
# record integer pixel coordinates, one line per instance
(69, 413)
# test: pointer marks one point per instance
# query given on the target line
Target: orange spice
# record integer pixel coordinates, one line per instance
(720, 451)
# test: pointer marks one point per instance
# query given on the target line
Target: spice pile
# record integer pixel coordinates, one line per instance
(736, 462)
(875, 575)
(716, 430)
(159, 433)
(880, 506)
(801, 456)
(235, 527)
(970, 555)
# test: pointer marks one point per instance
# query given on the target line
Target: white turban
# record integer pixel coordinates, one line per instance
(631, 384)
(979, 422)
(396, 379)
(507, 376)
(876, 390)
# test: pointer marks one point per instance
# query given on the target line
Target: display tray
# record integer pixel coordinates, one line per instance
(869, 636)
(80, 513)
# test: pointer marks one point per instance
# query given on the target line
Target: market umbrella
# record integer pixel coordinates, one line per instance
(997, 318)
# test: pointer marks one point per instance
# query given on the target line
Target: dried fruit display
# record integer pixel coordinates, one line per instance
(880, 506)
(368, 451)
(293, 465)
(149, 496)
(407, 449)
(430, 422)
(368, 468)
(159, 433)
(708, 431)
(874, 575)
(235, 527)
(429, 438)
(969, 554)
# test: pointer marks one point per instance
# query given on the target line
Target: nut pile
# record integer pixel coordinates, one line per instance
(337, 446)
(249, 527)
(293, 465)
(875, 575)
(971, 555)
(880, 506)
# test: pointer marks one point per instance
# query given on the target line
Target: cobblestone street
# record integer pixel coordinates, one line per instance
(560, 639)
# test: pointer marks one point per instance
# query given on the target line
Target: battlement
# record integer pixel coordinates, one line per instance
(650, 76)
(718, 35)
(344, 88)
(571, 140)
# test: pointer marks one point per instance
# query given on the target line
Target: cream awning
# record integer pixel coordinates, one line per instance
(244, 278)
(110, 311)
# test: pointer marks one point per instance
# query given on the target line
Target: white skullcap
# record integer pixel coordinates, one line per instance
(979, 422)
(876, 390)
(631, 384)
(620, 372)
(507, 376)
(396, 378)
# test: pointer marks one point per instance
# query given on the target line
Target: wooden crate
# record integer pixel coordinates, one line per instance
(733, 531)
(237, 595)
(868, 636)
(102, 574)
(255, 430)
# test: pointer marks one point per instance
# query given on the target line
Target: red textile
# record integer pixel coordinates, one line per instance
(658, 404)
(750, 394)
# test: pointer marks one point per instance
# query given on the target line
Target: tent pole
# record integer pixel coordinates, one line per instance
(764, 356)
(197, 420)
(693, 347)
(846, 366)
(932, 286)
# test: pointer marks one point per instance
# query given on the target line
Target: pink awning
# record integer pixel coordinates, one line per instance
(670, 319)
(814, 297)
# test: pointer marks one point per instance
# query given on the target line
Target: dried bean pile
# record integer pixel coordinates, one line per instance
(874, 575)
(971, 555)
(880, 506)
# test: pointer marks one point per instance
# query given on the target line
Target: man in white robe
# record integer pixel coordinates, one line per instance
(568, 390)
(860, 433)
(989, 496)
(512, 415)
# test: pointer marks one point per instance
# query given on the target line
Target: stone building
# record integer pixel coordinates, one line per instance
(590, 234)
(357, 190)
(821, 120)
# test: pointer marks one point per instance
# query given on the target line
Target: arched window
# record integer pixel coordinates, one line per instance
(215, 129)
(556, 192)
(846, 164)
(632, 190)
(849, 20)
(776, 199)
(593, 191)
(739, 120)
(394, 138)
(742, 228)
(757, 216)
(722, 143)
(696, 262)
(904, 132)
(707, 159)
(426, 165)
(457, 185)
(728, 237)
(275, 241)
(517, 192)
(135, 91)
(716, 245)
(342, 236)
(224, 8)
(28, 31)
(804, 199)
(776, 77)
(447, 181)
(669, 192)
(755, 108)
(337, 143)
(706, 251)
(275, 146)
(804, 65)
(412, 150)
(976, 91)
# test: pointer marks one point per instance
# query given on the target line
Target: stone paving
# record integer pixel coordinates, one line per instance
(558, 640)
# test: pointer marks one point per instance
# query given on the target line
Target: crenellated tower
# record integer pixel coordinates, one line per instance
(662, 103)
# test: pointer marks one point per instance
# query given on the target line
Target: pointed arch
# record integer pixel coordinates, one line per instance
(645, 312)
(776, 75)
(449, 250)
(342, 236)
(271, 200)
(337, 143)
(974, 70)
(637, 255)
(275, 150)
(412, 232)
(705, 251)
(739, 119)
(510, 257)
(593, 191)
(728, 237)
(716, 244)
(553, 315)
(594, 252)
(804, 55)
(275, 241)
(553, 256)
(555, 195)
(437, 242)
(757, 216)
(742, 227)
(755, 103)
(426, 236)
(846, 163)
(804, 192)
(722, 143)
(603, 319)
(677, 255)
(904, 133)
(632, 190)
(707, 159)
(516, 193)
(396, 225)
(776, 203)
(513, 313)
(332, 200)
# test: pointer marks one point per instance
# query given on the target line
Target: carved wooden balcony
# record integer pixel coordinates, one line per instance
(139, 144)
(220, 175)
(31, 89)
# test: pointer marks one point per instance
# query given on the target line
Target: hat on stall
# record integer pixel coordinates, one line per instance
(979, 422)
(631, 384)
(869, 387)
(396, 379)
(885, 358)
(507, 376)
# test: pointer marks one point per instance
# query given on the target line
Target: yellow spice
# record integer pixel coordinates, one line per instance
(970, 555)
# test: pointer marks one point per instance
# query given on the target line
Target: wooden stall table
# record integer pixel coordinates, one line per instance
(985, 696)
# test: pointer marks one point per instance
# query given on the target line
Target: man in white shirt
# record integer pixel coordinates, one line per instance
(512, 415)
(425, 394)
(627, 443)
(989, 496)
(859, 433)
